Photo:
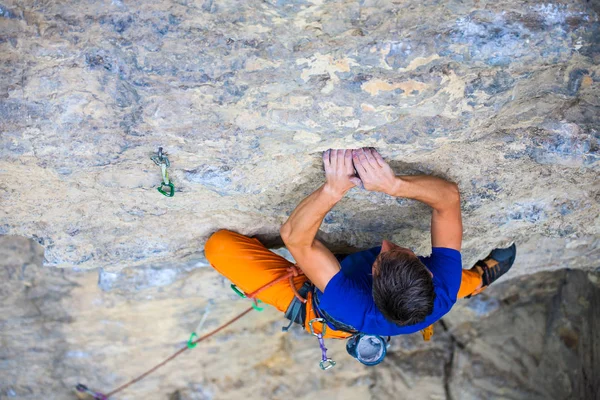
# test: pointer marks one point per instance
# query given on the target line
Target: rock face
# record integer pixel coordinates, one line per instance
(501, 97)
(531, 338)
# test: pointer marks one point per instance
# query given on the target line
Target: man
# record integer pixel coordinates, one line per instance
(386, 290)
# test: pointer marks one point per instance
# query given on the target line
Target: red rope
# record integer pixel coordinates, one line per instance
(292, 272)
(145, 374)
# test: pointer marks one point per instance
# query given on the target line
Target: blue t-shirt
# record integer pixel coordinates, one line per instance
(348, 296)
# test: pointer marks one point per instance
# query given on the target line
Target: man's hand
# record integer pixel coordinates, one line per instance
(339, 171)
(375, 174)
(439, 194)
(299, 231)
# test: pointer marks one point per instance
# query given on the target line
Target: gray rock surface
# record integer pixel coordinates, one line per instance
(533, 337)
(501, 97)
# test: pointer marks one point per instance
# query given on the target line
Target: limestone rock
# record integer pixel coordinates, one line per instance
(538, 340)
(534, 337)
(500, 97)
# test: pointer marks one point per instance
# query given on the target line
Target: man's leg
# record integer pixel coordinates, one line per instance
(471, 282)
(486, 271)
(250, 265)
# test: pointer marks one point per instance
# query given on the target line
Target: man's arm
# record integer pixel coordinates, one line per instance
(444, 198)
(299, 231)
(439, 194)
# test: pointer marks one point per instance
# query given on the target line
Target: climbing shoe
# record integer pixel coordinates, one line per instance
(496, 264)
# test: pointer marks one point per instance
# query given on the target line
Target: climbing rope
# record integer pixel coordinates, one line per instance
(191, 344)
(292, 272)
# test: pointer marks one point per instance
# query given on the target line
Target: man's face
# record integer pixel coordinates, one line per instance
(386, 246)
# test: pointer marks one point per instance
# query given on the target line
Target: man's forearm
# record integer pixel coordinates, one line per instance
(435, 192)
(304, 222)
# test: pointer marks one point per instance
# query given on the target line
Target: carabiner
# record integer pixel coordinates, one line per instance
(326, 364)
(323, 330)
(256, 306)
(255, 302)
(190, 342)
(238, 291)
(170, 193)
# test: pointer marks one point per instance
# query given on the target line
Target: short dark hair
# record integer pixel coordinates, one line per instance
(402, 288)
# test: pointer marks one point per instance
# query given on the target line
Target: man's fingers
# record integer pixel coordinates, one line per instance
(358, 165)
(326, 160)
(339, 158)
(348, 160)
(356, 181)
(333, 158)
(378, 157)
(370, 158)
(327, 156)
(364, 161)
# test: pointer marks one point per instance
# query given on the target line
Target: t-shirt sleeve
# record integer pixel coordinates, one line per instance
(446, 266)
(342, 287)
(337, 288)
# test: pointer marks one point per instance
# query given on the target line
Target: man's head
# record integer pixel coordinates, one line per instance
(402, 285)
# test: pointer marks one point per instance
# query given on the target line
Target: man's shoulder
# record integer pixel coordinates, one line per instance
(442, 256)
(446, 252)
(346, 300)
(446, 266)
(344, 292)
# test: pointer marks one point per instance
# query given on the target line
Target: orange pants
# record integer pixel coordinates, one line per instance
(250, 265)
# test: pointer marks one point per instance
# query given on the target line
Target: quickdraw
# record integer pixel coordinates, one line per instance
(326, 363)
(162, 161)
(190, 343)
(255, 302)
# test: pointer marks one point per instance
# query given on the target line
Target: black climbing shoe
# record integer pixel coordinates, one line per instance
(496, 264)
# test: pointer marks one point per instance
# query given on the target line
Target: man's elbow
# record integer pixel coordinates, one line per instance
(291, 238)
(450, 199)
(453, 194)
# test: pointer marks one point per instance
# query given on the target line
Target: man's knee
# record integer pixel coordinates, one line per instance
(217, 243)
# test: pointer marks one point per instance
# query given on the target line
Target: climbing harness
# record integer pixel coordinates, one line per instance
(296, 311)
(326, 362)
(162, 161)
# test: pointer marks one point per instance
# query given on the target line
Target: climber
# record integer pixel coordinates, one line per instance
(385, 290)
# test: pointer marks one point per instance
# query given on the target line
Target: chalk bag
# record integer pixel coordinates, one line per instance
(368, 349)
